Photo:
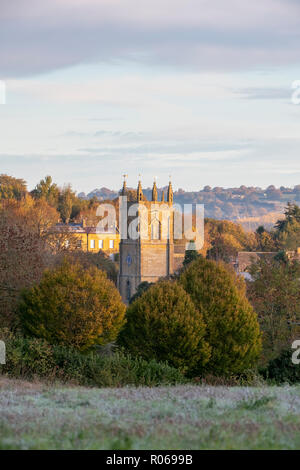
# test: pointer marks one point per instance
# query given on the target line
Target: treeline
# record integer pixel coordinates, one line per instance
(222, 241)
(68, 206)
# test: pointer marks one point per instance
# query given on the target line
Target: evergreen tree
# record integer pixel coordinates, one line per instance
(73, 306)
(232, 328)
(163, 324)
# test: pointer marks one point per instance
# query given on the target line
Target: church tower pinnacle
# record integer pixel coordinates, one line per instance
(124, 189)
(170, 193)
(154, 191)
(139, 190)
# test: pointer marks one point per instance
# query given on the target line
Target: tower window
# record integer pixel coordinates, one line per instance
(155, 230)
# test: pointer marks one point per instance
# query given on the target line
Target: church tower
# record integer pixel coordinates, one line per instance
(147, 252)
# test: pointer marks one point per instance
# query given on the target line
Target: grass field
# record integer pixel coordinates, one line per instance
(39, 416)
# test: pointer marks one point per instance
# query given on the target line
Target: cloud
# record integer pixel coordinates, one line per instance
(265, 93)
(199, 34)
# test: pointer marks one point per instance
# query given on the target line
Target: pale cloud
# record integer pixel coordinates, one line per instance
(128, 89)
(202, 34)
(260, 93)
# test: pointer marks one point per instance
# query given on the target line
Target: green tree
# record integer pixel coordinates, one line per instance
(163, 324)
(142, 287)
(67, 198)
(288, 229)
(189, 256)
(232, 328)
(48, 190)
(73, 306)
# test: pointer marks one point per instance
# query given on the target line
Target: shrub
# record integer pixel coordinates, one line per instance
(116, 370)
(31, 357)
(232, 328)
(164, 325)
(282, 370)
(27, 357)
(74, 306)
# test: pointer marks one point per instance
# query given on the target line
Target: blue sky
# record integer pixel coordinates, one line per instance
(199, 89)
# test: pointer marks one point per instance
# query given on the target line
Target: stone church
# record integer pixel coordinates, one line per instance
(147, 249)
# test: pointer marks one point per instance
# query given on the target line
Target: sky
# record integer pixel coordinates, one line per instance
(202, 90)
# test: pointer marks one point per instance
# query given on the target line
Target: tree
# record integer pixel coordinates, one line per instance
(24, 256)
(66, 200)
(47, 190)
(288, 229)
(39, 216)
(190, 255)
(163, 324)
(227, 239)
(232, 329)
(266, 241)
(142, 287)
(275, 295)
(73, 306)
(87, 259)
(12, 188)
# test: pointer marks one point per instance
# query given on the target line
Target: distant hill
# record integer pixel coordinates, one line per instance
(252, 206)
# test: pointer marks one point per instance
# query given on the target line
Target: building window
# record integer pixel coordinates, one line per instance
(79, 243)
(100, 244)
(92, 244)
(111, 244)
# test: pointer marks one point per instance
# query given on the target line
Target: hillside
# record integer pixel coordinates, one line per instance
(251, 206)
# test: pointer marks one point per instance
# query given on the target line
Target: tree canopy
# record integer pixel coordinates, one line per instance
(73, 306)
(232, 328)
(275, 295)
(163, 324)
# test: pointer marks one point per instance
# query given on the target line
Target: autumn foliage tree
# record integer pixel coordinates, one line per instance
(227, 239)
(232, 329)
(275, 295)
(73, 306)
(163, 324)
(12, 188)
(24, 253)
